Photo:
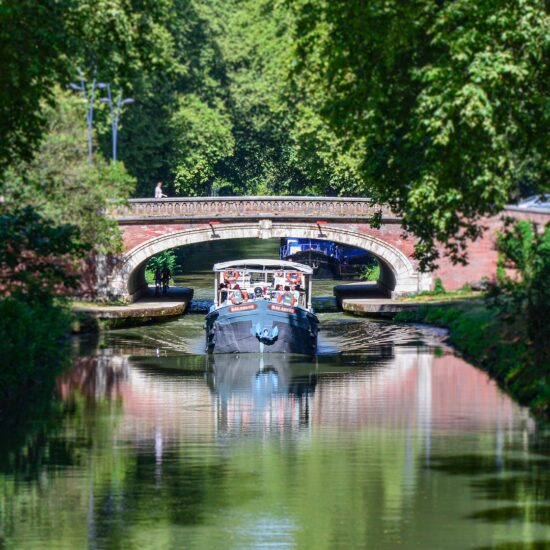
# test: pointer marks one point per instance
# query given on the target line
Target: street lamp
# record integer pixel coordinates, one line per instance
(90, 103)
(115, 114)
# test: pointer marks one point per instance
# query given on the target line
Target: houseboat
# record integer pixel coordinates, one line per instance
(262, 306)
(328, 259)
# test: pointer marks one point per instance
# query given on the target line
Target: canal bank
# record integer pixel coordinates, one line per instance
(497, 345)
(150, 308)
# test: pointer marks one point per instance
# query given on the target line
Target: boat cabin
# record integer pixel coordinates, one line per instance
(288, 283)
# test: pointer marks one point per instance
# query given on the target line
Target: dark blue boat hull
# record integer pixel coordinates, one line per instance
(261, 327)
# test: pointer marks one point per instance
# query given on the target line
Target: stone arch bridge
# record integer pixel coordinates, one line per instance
(150, 226)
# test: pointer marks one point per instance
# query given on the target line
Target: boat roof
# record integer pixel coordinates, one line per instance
(264, 265)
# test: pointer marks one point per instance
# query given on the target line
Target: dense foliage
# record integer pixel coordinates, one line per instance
(445, 104)
(160, 261)
(224, 117)
(37, 259)
(522, 290)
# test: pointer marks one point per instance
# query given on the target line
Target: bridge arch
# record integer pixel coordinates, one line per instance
(398, 275)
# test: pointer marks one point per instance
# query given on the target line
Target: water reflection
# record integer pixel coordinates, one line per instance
(389, 442)
(391, 386)
(261, 393)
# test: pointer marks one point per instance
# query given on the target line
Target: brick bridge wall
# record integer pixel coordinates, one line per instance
(149, 226)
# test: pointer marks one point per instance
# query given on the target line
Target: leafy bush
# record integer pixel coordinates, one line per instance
(523, 277)
(371, 272)
(160, 261)
(438, 287)
(33, 347)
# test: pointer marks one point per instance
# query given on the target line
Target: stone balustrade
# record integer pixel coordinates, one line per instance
(232, 208)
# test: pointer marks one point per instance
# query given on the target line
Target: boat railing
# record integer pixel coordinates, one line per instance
(247, 296)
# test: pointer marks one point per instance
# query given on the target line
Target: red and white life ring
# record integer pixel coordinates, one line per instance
(231, 276)
(294, 277)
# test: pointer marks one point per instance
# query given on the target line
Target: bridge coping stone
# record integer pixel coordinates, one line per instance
(177, 209)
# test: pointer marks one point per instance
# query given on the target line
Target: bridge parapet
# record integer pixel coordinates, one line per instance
(231, 208)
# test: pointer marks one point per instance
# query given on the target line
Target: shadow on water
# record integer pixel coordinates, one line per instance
(532, 513)
(533, 545)
(479, 465)
(534, 483)
(524, 481)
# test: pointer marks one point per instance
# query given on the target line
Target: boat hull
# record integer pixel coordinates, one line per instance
(261, 327)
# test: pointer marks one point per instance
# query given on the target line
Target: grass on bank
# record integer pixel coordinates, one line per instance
(439, 294)
(452, 296)
(499, 345)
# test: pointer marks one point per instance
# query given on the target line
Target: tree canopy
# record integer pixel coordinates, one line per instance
(445, 104)
(438, 108)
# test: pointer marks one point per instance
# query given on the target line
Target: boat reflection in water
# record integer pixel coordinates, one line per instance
(259, 392)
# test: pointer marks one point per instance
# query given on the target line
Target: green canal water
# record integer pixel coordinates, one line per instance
(386, 439)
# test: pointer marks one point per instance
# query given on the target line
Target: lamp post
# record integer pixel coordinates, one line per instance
(90, 103)
(115, 113)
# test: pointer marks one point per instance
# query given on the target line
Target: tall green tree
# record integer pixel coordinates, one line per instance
(59, 183)
(444, 104)
(34, 39)
(42, 43)
(203, 138)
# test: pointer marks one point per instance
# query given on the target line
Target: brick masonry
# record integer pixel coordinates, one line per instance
(156, 225)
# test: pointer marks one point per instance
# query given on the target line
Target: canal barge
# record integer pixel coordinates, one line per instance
(262, 306)
(328, 259)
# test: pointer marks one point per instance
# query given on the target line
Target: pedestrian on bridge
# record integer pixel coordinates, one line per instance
(158, 191)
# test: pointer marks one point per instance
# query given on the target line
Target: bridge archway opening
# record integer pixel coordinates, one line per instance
(397, 274)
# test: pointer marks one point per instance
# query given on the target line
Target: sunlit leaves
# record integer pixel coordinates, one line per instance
(60, 183)
(203, 138)
(447, 101)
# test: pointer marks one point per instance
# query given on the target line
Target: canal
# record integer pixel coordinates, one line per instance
(386, 439)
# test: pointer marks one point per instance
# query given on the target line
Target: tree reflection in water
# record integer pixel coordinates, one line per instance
(375, 448)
